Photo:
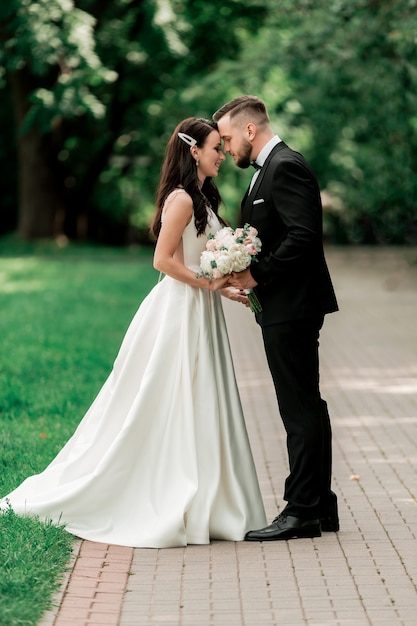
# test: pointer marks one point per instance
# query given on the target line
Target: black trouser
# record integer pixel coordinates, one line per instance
(293, 358)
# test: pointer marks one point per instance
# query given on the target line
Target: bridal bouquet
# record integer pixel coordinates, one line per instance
(230, 251)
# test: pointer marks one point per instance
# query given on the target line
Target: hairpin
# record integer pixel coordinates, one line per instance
(187, 139)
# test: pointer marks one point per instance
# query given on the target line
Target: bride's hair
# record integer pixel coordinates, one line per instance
(179, 170)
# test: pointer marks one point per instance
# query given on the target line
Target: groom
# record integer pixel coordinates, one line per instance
(294, 287)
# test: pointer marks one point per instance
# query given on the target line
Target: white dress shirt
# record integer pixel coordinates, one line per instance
(262, 157)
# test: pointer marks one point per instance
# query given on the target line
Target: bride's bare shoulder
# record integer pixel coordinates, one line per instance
(178, 201)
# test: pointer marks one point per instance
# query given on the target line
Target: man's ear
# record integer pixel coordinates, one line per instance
(251, 131)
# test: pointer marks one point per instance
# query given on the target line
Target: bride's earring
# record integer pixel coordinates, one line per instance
(197, 162)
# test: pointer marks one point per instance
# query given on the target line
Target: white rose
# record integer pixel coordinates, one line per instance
(224, 263)
(241, 257)
(206, 261)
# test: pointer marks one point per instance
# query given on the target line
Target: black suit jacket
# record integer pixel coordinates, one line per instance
(285, 207)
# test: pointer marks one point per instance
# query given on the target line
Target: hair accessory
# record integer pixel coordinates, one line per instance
(187, 139)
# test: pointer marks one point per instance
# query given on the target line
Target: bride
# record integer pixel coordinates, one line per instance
(162, 458)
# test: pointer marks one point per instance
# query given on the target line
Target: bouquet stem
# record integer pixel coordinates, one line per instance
(255, 305)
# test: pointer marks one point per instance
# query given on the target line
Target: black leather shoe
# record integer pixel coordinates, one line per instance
(329, 524)
(286, 527)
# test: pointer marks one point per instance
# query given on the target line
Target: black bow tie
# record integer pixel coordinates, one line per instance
(256, 165)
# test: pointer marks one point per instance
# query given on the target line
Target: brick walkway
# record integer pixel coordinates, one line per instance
(364, 575)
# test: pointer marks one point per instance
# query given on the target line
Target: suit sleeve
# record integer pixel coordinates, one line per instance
(296, 200)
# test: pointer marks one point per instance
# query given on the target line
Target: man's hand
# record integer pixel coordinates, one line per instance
(242, 280)
(235, 294)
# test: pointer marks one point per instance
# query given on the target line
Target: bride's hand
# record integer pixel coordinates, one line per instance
(218, 283)
(235, 294)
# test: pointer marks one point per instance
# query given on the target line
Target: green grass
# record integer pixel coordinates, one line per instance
(63, 314)
(33, 556)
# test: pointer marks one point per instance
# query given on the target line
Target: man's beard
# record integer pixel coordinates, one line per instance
(244, 158)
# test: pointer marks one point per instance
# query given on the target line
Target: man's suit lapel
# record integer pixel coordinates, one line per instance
(247, 202)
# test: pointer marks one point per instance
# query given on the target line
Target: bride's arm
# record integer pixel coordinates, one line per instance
(177, 215)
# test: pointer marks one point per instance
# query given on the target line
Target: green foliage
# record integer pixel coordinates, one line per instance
(127, 64)
(161, 51)
(111, 79)
(64, 313)
(53, 42)
(351, 65)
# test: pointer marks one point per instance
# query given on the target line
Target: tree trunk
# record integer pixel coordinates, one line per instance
(39, 201)
(40, 198)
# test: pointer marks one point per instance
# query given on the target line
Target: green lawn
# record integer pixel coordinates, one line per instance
(63, 314)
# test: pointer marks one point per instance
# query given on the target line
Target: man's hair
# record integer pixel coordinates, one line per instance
(250, 106)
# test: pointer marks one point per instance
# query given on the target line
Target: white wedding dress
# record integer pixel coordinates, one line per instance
(161, 458)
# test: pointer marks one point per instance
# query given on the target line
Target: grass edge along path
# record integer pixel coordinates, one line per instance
(33, 556)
